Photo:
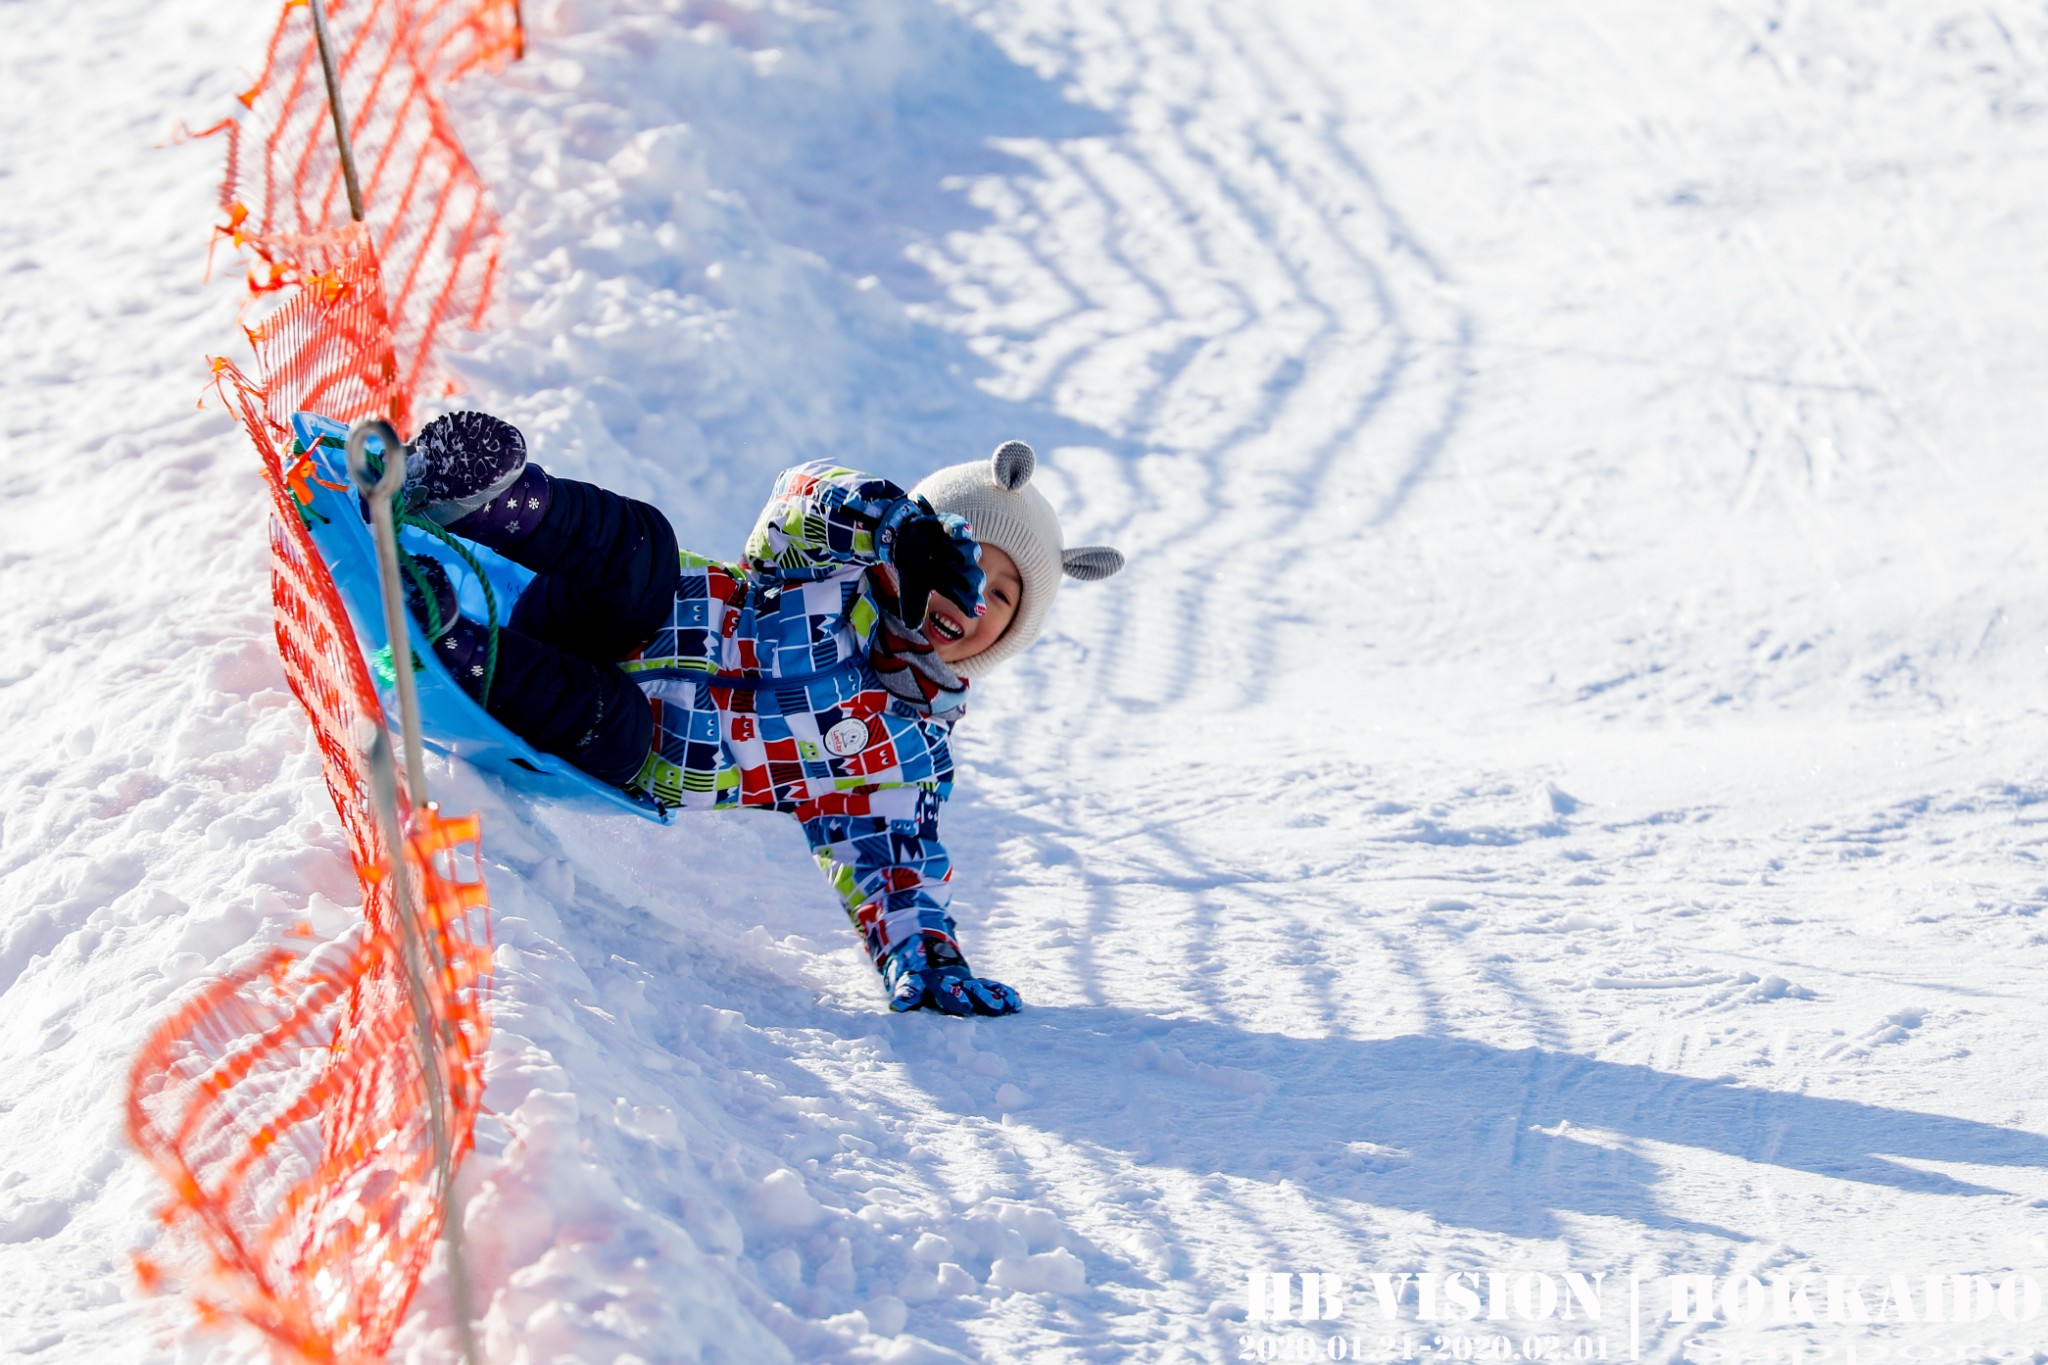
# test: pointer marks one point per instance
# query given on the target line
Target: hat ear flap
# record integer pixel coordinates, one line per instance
(1012, 465)
(1091, 563)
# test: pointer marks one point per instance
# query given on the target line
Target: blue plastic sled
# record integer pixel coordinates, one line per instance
(451, 721)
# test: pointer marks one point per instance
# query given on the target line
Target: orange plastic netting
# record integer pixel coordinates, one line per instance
(287, 1108)
(301, 1107)
(430, 225)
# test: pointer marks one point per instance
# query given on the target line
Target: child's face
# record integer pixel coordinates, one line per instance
(956, 635)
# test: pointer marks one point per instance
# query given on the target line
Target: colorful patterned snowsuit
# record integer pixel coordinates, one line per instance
(812, 731)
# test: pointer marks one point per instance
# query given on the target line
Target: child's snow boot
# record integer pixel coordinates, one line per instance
(460, 462)
(512, 515)
(461, 645)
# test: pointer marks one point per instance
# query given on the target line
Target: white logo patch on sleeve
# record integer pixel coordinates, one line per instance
(849, 736)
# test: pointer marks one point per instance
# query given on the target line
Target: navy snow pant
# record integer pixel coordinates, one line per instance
(608, 569)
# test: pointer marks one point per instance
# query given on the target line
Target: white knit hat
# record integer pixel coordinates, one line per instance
(996, 498)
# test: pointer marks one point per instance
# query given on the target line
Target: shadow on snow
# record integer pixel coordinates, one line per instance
(1480, 1136)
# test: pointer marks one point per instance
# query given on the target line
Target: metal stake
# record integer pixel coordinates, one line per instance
(378, 492)
(416, 951)
(417, 960)
(348, 156)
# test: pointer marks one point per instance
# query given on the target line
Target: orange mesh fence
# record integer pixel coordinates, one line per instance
(291, 1105)
(327, 350)
(286, 1106)
(430, 225)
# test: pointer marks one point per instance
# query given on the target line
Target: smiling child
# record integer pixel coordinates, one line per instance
(821, 675)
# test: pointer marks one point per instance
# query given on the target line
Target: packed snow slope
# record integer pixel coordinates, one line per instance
(1560, 786)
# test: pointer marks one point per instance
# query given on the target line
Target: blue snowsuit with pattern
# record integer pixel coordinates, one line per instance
(811, 730)
(757, 678)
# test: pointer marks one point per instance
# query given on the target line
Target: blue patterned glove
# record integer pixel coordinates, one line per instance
(931, 553)
(929, 973)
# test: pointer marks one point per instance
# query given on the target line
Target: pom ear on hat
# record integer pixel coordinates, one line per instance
(1012, 465)
(995, 496)
(1091, 563)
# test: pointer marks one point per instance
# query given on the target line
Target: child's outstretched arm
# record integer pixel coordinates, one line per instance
(892, 877)
(824, 517)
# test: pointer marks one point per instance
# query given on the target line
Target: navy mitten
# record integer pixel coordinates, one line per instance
(929, 973)
(931, 554)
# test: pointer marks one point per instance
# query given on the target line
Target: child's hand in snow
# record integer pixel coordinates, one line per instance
(931, 554)
(929, 973)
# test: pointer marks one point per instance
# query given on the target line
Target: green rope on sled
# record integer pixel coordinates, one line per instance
(453, 542)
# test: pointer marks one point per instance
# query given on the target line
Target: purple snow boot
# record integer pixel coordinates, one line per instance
(511, 515)
(461, 645)
(460, 462)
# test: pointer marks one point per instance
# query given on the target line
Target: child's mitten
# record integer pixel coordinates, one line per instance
(931, 554)
(929, 973)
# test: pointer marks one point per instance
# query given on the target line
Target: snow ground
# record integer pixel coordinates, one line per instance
(1558, 787)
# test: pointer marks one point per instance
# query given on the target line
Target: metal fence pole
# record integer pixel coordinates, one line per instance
(378, 488)
(420, 964)
(341, 141)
